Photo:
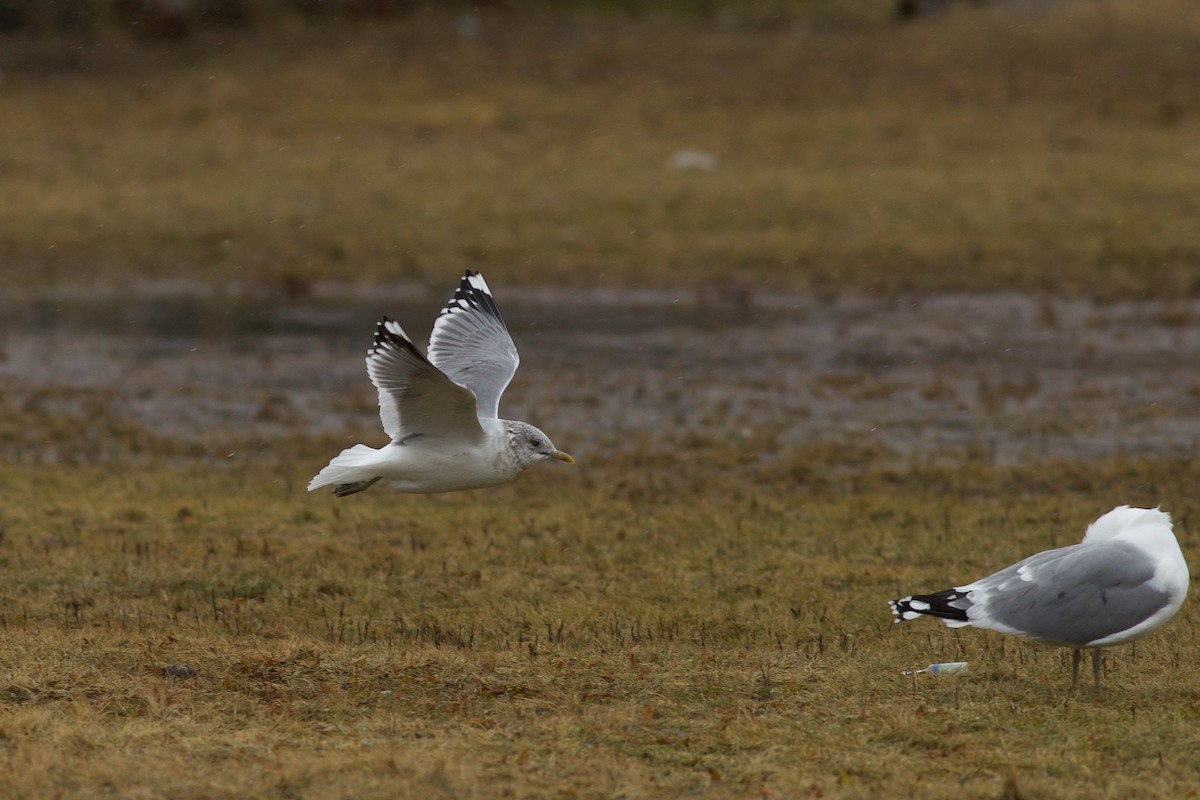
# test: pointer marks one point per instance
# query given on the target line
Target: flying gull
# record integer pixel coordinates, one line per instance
(1125, 579)
(441, 411)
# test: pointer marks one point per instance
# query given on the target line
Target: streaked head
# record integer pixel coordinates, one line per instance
(532, 446)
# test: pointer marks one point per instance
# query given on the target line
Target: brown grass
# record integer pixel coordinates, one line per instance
(1007, 148)
(613, 630)
(701, 619)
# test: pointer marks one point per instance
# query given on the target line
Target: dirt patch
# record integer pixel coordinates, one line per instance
(1003, 377)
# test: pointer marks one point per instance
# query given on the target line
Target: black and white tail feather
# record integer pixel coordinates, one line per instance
(949, 604)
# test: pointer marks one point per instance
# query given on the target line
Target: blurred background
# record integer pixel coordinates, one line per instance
(911, 229)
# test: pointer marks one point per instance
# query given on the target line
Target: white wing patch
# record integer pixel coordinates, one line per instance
(414, 396)
(389, 412)
(471, 344)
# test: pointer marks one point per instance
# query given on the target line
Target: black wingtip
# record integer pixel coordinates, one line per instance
(939, 604)
(468, 297)
(384, 338)
(465, 288)
(382, 334)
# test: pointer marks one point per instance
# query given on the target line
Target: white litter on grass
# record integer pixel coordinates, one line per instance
(694, 159)
(939, 669)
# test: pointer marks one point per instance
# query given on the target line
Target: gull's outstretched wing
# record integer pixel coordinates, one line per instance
(415, 398)
(471, 344)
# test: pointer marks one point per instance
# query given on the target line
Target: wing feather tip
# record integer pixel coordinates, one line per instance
(389, 325)
(389, 333)
(475, 281)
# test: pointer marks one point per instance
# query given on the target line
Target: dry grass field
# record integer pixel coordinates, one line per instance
(625, 630)
(782, 420)
(1041, 146)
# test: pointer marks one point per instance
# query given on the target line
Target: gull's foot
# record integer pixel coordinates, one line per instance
(343, 489)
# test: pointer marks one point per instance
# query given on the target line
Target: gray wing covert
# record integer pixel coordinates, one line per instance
(1077, 594)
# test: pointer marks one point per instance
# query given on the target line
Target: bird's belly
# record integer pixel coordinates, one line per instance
(424, 470)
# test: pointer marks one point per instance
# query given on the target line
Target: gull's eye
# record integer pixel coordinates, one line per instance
(534, 441)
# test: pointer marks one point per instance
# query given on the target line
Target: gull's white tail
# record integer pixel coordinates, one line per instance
(352, 470)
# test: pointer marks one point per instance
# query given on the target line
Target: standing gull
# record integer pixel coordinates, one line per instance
(1126, 578)
(442, 411)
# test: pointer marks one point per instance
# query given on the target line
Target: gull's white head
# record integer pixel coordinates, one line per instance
(532, 446)
(1124, 519)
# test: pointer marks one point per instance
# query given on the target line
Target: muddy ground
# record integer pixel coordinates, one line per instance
(1008, 378)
